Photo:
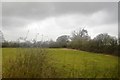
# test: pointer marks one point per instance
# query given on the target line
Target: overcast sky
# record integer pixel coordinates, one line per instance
(53, 19)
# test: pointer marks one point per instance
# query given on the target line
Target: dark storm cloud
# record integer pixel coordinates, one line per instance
(17, 14)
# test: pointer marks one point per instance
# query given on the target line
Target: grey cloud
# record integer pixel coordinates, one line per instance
(119, 19)
(14, 22)
(40, 10)
(27, 10)
(83, 7)
(18, 14)
(0, 16)
(22, 13)
(49, 8)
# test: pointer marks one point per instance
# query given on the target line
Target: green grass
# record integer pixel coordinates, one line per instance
(27, 63)
(76, 63)
(0, 63)
(73, 63)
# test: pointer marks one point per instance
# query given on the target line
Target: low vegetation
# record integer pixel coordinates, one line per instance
(59, 63)
(27, 63)
(0, 63)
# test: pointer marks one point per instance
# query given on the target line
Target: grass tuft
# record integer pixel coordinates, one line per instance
(29, 63)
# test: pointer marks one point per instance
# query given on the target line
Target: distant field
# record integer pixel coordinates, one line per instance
(71, 63)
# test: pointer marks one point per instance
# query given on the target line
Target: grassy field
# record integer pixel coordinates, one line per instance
(0, 63)
(67, 63)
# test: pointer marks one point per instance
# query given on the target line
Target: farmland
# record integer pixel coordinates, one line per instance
(58, 62)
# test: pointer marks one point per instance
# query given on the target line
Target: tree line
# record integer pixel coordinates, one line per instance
(102, 43)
